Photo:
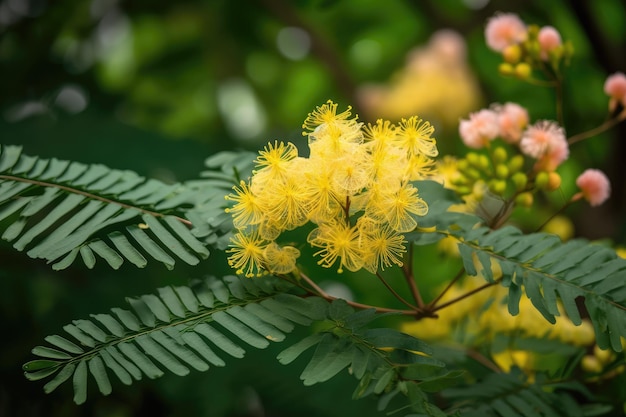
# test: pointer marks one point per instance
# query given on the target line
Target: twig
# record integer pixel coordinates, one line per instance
(395, 294)
(407, 270)
(464, 296)
(597, 130)
(320, 292)
(454, 280)
(483, 360)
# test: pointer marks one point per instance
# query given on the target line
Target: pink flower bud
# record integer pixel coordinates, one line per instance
(481, 128)
(615, 87)
(546, 142)
(504, 29)
(512, 119)
(549, 39)
(595, 186)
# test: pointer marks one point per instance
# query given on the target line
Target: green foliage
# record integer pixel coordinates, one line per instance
(56, 210)
(181, 327)
(550, 271)
(177, 330)
(509, 395)
(383, 360)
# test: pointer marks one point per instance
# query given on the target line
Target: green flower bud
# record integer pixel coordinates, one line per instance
(502, 171)
(520, 180)
(483, 162)
(463, 190)
(524, 199)
(459, 180)
(554, 181)
(523, 70)
(497, 186)
(473, 159)
(472, 173)
(506, 69)
(512, 54)
(499, 155)
(541, 180)
(516, 163)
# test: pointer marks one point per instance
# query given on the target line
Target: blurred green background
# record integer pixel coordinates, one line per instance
(157, 86)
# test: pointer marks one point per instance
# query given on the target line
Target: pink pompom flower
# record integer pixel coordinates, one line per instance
(479, 129)
(615, 87)
(546, 142)
(549, 39)
(504, 29)
(594, 186)
(512, 120)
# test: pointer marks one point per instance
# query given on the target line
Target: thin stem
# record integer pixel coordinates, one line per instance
(556, 213)
(320, 292)
(346, 210)
(395, 294)
(559, 101)
(454, 280)
(407, 270)
(89, 195)
(464, 296)
(483, 360)
(597, 130)
(539, 83)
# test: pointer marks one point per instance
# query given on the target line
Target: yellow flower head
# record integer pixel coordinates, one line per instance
(247, 210)
(338, 240)
(325, 114)
(247, 254)
(414, 136)
(274, 160)
(281, 260)
(385, 248)
(354, 187)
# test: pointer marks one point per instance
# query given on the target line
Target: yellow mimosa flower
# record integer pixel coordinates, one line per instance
(247, 209)
(337, 240)
(247, 254)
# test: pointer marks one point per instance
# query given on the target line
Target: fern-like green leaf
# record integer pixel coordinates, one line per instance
(552, 274)
(382, 359)
(174, 331)
(56, 210)
(510, 395)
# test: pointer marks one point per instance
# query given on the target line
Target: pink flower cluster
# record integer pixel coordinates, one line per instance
(545, 140)
(507, 29)
(549, 39)
(594, 186)
(506, 121)
(615, 87)
(479, 129)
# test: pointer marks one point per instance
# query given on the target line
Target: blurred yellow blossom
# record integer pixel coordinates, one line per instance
(561, 226)
(436, 81)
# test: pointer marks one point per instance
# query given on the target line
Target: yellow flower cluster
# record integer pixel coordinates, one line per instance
(355, 187)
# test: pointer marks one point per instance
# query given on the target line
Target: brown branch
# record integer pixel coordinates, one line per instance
(395, 294)
(597, 130)
(321, 293)
(483, 360)
(464, 296)
(454, 280)
(407, 270)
